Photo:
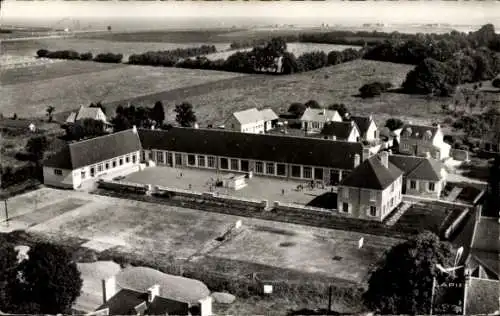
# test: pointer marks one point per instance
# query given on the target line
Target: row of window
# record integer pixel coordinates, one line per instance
(103, 166)
(372, 211)
(431, 186)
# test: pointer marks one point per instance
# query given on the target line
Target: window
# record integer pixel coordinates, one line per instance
(296, 171)
(413, 184)
(143, 156)
(235, 164)
(107, 165)
(114, 163)
(134, 158)
(127, 159)
(150, 155)
(345, 193)
(431, 186)
(83, 174)
(270, 168)
(373, 211)
(178, 159)
(345, 207)
(211, 161)
(392, 201)
(307, 172)
(281, 169)
(99, 167)
(318, 173)
(191, 160)
(224, 163)
(121, 161)
(201, 161)
(392, 187)
(92, 171)
(244, 165)
(159, 157)
(170, 159)
(373, 195)
(259, 167)
(58, 172)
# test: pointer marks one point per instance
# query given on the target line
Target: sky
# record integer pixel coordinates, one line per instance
(453, 12)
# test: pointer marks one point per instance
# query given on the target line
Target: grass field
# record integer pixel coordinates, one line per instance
(106, 83)
(213, 102)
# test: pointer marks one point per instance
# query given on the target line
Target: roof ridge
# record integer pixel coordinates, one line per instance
(98, 137)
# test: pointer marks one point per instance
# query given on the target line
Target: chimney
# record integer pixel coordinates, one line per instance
(153, 292)
(134, 129)
(196, 125)
(370, 117)
(384, 158)
(357, 160)
(108, 288)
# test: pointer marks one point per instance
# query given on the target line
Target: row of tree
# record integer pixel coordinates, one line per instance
(74, 55)
(169, 58)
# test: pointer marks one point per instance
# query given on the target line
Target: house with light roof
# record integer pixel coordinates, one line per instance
(418, 140)
(252, 121)
(313, 120)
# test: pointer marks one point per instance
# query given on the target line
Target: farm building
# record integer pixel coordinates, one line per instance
(345, 131)
(313, 120)
(372, 190)
(252, 121)
(169, 295)
(418, 140)
(300, 158)
(367, 127)
(87, 113)
(424, 176)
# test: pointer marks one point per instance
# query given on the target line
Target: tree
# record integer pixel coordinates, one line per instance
(50, 111)
(36, 147)
(158, 113)
(109, 28)
(340, 108)
(403, 282)
(51, 279)
(8, 276)
(370, 90)
(42, 53)
(120, 123)
(394, 123)
(496, 82)
(297, 108)
(185, 115)
(313, 104)
(87, 128)
(492, 205)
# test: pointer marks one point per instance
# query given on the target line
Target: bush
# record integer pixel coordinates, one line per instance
(373, 89)
(496, 82)
(109, 58)
(42, 53)
(86, 56)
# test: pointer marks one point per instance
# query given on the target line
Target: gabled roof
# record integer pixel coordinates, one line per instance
(248, 116)
(125, 301)
(372, 174)
(87, 152)
(420, 168)
(85, 113)
(319, 115)
(278, 148)
(268, 115)
(363, 123)
(418, 131)
(482, 296)
(341, 130)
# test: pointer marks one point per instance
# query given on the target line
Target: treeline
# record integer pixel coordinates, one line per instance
(74, 55)
(169, 58)
(440, 78)
(439, 47)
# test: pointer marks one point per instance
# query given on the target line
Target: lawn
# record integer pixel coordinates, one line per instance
(118, 83)
(213, 102)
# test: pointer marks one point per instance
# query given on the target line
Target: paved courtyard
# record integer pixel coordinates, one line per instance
(260, 188)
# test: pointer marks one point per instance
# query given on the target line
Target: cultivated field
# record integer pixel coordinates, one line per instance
(158, 230)
(107, 83)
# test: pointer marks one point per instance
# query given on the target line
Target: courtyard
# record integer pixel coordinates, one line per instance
(258, 187)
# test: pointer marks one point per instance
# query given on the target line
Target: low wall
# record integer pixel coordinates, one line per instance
(292, 207)
(459, 154)
(456, 223)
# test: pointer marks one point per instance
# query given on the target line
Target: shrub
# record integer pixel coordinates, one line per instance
(374, 89)
(86, 56)
(42, 53)
(109, 58)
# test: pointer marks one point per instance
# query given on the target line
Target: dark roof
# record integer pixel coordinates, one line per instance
(87, 152)
(372, 174)
(486, 235)
(418, 131)
(125, 301)
(340, 130)
(482, 296)
(286, 149)
(363, 123)
(420, 168)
